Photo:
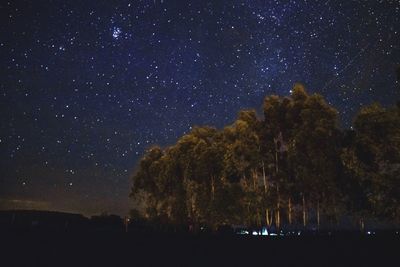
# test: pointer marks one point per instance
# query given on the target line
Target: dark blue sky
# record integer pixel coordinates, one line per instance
(87, 86)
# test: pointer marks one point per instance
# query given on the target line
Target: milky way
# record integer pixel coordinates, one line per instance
(87, 86)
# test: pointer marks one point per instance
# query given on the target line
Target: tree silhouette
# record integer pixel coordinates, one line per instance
(294, 166)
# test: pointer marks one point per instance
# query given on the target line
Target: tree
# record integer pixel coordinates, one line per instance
(242, 162)
(316, 139)
(144, 187)
(377, 152)
(305, 134)
(259, 172)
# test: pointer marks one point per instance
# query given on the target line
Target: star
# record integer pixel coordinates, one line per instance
(78, 93)
(116, 32)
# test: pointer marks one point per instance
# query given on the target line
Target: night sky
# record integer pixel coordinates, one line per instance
(87, 86)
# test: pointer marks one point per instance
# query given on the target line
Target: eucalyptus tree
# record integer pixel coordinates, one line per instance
(376, 159)
(256, 171)
(144, 187)
(318, 135)
(301, 131)
(242, 162)
(272, 140)
(313, 150)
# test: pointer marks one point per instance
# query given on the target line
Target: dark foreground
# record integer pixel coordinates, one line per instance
(42, 238)
(127, 249)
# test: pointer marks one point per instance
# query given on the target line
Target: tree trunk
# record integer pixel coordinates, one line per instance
(271, 217)
(264, 178)
(278, 206)
(212, 188)
(362, 226)
(258, 222)
(254, 179)
(318, 215)
(290, 210)
(304, 212)
(193, 207)
(267, 217)
(276, 158)
(249, 220)
(268, 222)
(335, 213)
(278, 217)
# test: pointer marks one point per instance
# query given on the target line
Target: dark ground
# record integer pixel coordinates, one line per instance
(122, 249)
(43, 238)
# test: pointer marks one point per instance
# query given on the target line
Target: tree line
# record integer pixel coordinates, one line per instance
(294, 166)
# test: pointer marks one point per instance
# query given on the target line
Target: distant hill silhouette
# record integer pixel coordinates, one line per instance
(41, 220)
(38, 220)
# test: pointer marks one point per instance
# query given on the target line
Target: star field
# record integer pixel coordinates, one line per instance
(87, 86)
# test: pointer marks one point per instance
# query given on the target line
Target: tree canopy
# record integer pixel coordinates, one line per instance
(293, 166)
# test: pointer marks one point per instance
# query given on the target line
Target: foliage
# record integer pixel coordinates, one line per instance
(294, 159)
